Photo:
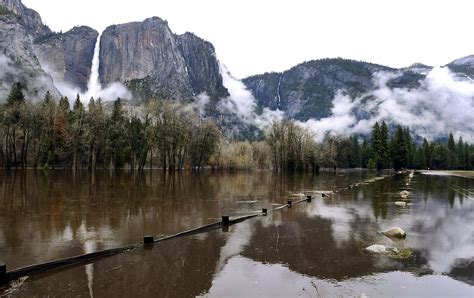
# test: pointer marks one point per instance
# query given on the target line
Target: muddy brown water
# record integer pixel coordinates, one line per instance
(312, 250)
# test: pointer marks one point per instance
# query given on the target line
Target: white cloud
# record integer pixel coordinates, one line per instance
(243, 104)
(442, 104)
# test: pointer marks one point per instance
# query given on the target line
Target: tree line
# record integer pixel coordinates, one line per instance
(400, 151)
(52, 134)
(173, 136)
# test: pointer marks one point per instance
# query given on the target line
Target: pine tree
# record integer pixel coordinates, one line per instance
(410, 147)
(399, 149)
(451, 153)
(427, 153)
(365, 154)
(376, 146)
(460, 156)
(440, 156)
(117, 143)
(383, 149)
(78, 133)
(16, 95)
(419, 160)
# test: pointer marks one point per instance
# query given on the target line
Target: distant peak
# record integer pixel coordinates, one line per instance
(419, 65)
(155, 19)
(468, 60)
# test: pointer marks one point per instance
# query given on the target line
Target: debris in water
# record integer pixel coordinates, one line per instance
(403, 253)
(14, 286)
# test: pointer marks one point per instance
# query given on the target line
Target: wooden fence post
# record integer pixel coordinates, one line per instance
(225, 220)
(148, 240)
(3, 273)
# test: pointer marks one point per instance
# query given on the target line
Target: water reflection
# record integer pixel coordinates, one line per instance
(312, 249)
(244, 277)
(43, 217)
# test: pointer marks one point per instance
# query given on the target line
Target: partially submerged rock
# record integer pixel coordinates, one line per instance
(382, 249)
(391, 252)
(404, 194)
(395, 232)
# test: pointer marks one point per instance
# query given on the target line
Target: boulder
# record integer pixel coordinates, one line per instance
(395, 232)
(382, 249)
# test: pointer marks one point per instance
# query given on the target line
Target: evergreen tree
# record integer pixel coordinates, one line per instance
(376, 146)
(427, 153)
(460, 156)
(419, 160)
(16, 126)
(16, 95)
(365, 153)
(78, 133)
(410, 147)
(117, 143)
(440, 156)
(399, 149)
(451, 153)
(383, 149)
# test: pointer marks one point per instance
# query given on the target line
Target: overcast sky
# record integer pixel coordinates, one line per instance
(255, 36)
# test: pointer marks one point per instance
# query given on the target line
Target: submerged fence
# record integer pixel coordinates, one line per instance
(7, 276)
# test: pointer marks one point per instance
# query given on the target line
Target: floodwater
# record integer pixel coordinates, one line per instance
(313, 249)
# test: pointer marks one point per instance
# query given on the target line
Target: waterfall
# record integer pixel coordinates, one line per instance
(94, 87)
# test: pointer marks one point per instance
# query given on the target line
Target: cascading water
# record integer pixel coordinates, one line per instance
(94, 87)
(112, 91)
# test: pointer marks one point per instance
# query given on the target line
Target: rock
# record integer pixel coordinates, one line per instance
(155, 63)
(68, 56)
(202, 66)
(400, 203)
(30, 19)
(404, 194)
(395, 232)
(18, 62)
(382, 249)
(463, 66)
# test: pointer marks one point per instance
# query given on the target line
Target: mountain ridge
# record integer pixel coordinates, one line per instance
(155, 63)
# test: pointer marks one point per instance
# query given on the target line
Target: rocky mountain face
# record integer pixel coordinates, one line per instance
(68, 56)
(27, 17)
(306, 90)
(146, 56)
(154, 62)
(202, 65)
(18, 63)
(463, 66)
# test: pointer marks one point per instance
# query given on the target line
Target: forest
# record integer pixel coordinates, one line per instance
(173, 136)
